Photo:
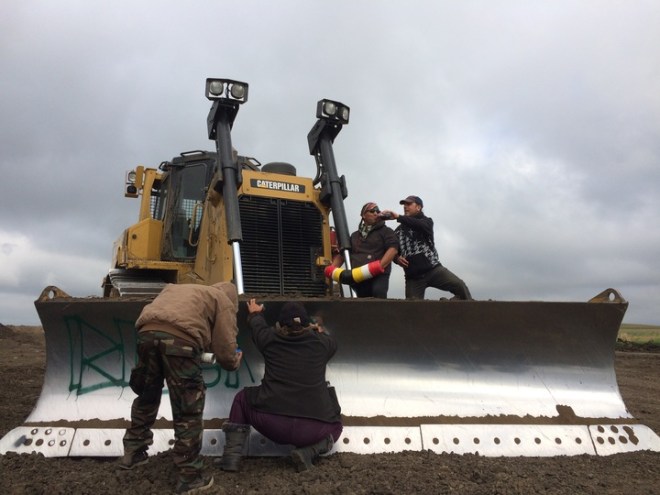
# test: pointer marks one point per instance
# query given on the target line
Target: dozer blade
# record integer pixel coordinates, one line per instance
(487, 377)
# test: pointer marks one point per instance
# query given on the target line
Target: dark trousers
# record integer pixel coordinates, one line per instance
(374, 287)
(162, 358)
(285, 430)
(440, 278)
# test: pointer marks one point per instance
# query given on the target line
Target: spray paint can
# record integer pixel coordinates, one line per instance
(208, 358)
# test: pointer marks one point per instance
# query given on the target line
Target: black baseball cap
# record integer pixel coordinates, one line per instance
(412, 199)
(293, 312)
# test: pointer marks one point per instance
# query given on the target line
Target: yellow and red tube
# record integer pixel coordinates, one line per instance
(356, 275)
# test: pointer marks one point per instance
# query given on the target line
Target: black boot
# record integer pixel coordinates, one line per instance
(304, 457)
(235, 437)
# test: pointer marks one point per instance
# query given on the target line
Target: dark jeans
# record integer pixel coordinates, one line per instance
(284, 430)
(440, 278)
(161, 358)
(374, 287)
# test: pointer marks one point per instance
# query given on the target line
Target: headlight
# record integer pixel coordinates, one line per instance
(237, 91)
(330, 108)
(332, 111)
(226, 90)
(216, 88)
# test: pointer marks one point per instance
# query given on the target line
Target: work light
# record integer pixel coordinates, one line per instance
(130, 188)
(332, 110)
(226, 90)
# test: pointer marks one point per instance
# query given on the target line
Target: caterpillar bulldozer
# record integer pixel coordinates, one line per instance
(495, 378)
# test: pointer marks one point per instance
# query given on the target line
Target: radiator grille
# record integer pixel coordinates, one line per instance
(281, 241)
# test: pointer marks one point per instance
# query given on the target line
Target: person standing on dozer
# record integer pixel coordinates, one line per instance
(294, 405)
(175, 331)
(418, 256)
(373, 247)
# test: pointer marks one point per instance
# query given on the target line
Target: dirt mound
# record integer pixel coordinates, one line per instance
(6, 332)
(628, 346)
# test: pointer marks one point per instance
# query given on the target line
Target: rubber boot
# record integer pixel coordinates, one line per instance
(303, 458)
(236, 436)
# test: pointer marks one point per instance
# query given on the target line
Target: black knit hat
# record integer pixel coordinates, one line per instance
(292, 313)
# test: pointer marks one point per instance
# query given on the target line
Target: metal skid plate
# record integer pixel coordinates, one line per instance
(50, 441)
(508, 440)
(94, 442)
(260, 446)
(486, 439)
(538, 440)
(614, 439)
(378, 439)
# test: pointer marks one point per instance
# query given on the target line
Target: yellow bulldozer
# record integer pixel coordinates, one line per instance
(495, 378)
(182, 236)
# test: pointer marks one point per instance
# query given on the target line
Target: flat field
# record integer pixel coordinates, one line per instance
(640, 334)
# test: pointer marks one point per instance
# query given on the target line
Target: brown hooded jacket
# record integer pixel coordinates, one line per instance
(203, 315)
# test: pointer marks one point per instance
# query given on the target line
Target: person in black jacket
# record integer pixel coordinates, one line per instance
(372, 241)
(418, 255)
(294, 403)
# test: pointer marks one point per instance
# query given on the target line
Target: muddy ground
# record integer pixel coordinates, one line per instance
(22, 361)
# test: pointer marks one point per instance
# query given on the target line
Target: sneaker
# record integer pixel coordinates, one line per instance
(199, 485)
(129, 461)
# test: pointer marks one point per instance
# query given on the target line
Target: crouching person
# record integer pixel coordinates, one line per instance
(294, 404)
(183, 322)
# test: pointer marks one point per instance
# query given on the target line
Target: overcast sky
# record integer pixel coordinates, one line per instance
(530, 129)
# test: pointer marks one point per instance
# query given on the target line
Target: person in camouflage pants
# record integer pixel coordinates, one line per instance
(160, 357)
(182, 323)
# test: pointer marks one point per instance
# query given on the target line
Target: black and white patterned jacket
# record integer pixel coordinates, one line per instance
(416, 244)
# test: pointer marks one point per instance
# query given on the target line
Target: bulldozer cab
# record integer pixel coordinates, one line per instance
(179, 202)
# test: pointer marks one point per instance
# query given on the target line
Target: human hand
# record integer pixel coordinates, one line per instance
(401, 261)
(239, 358)
(317, 324)
(254, 307)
